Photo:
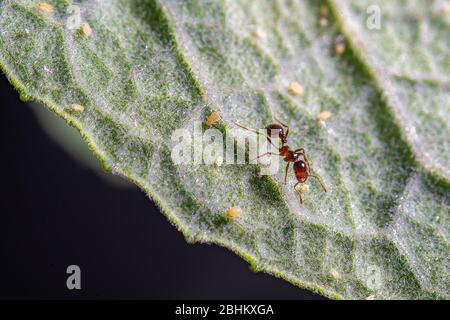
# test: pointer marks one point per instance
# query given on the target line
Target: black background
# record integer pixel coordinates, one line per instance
(56, 212)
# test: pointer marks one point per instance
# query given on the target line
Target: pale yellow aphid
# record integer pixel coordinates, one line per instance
(324, 11)
(296, 89)
(339, 48)
(234, 212)
(324, 115)
(304, 188)
(45, 7)
(260, 33)
(213, 118)
(86, 29)
(371, 297)
(76, 107)
(336, 275)
(323, 22)
(339, 45)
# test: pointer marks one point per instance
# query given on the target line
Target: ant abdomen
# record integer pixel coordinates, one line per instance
(301, 170)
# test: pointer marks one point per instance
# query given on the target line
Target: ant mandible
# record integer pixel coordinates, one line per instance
(301, 166)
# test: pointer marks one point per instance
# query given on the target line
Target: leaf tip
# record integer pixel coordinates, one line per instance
(304, 188)
(335, 274)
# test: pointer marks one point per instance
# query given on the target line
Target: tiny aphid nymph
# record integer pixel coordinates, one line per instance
(86, 29)
(296, 89)
(304, 188)
(324, 115)
(324, 10)
(78, 108)
(339, 45)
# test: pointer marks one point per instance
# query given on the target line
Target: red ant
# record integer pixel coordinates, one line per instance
(301, 166)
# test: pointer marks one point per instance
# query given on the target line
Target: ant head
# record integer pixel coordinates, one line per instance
(278, 130)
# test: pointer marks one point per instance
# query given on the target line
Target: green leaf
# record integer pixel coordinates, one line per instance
(150, 67)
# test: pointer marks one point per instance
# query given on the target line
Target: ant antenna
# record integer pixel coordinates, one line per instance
(257, 132)
(283, 124)
(320, 181)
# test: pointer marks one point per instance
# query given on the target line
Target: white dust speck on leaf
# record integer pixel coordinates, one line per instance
(260, 33)
(47, 69)
(323, 22)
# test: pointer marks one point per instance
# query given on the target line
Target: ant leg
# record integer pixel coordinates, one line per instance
(300, 196)
(257, 132)
(303, 153)
(286, 172)
(246, 128)
(320, 181)
(265, 154)
(298, 192)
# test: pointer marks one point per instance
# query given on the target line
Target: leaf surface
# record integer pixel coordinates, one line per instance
(151, 67)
